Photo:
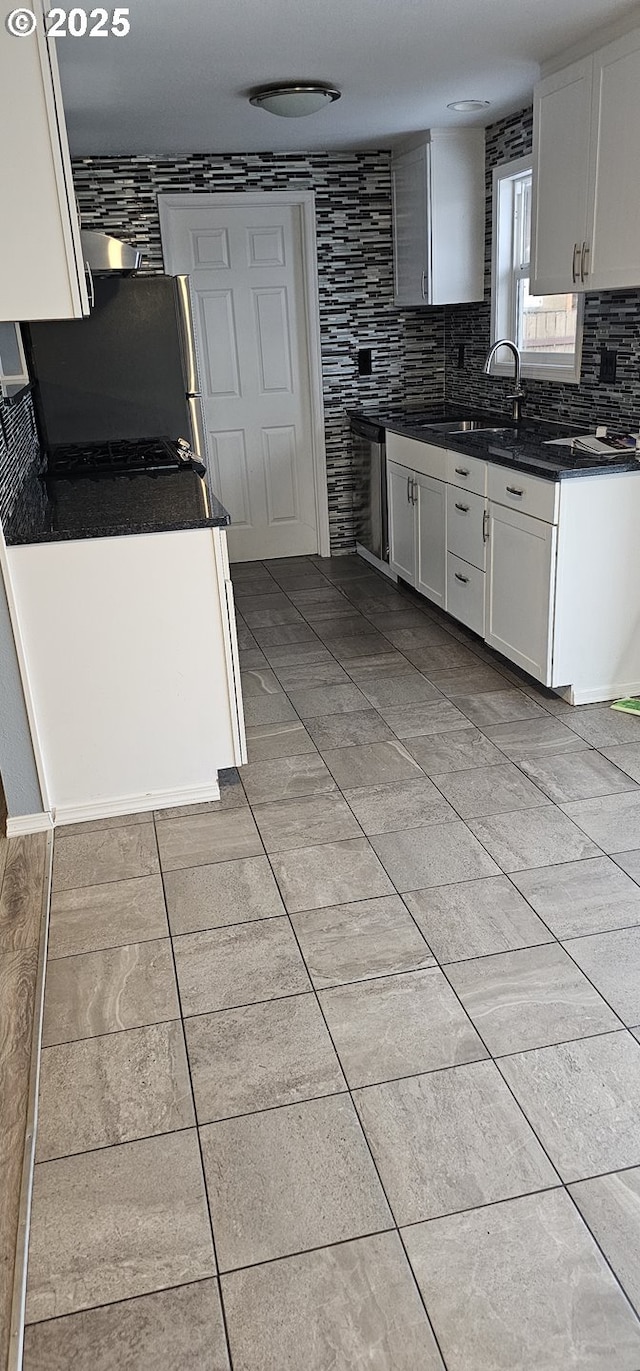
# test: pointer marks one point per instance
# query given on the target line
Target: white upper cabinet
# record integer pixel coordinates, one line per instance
(41, 268)
(586, 172)
(439, 218)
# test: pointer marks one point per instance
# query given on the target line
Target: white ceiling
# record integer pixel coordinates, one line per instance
(177, 83)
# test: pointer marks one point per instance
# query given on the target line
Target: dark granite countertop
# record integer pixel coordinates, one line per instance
(521, 447)
(53, 509)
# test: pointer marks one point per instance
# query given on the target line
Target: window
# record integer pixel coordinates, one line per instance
(546, 328)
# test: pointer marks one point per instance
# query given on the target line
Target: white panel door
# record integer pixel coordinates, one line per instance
(613, 236)
(247, 279)
(521, 577)
(402, 522)
(561, 142)
(431, 570)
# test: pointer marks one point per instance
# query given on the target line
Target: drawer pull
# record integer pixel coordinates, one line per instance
(464, 509)
(462, 471)
(514, 490)
(464, 579)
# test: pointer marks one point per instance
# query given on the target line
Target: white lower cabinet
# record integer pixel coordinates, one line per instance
(521, 577)
(402, 522)
(431, 527)
(465, 593)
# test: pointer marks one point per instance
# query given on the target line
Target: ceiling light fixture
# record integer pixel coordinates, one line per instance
(294, 100)
(468, 106)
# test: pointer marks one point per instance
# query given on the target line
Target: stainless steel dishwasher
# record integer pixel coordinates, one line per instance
(370, 486)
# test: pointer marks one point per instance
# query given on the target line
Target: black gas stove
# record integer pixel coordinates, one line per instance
(121, 457)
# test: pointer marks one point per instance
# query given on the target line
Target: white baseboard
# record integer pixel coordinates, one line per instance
(135, 804)
(20, 824)
(376, 562)
(599, 694)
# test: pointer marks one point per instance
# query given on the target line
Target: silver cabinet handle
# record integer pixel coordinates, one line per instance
(513, 490)
(408, 490)
(462, 471)
(464, 579)
(92, 293)
(414, 487)
(464, 509)
(485, 527)
(584, 258)
(575, 262)
(424, 285)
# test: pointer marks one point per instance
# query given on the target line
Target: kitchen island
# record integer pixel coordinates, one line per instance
(532, 545)
(122, 610)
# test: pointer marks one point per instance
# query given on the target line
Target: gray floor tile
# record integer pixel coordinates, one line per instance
(437, 855)
(529, 998)
(417, 639)
(422, 720)
(284, 777)
(576, 775)
(351, 624)
(148, 1227)
(110, 854)
(443, 656)
(290, 1179)
(232, 796)
(259, 682)
(254, 600)
(583, 1100)
(268, 709)
(371, 764)
(521, 1284)
(489, 790)
(315, 877)
(113, 1089)
(532, 837)
(226, 893)
(352, 1306)
(528, 737)
(261, 1056)
(328, 699)
(612, 962)
(294, 653)
(310, 674)
(611, 1207)
(305, 821)
(397, 1026)
(625, 756)
(630, 862)
(475, 918)
(284, 613)
(270, 741)
(111, 821)
(284, 635)
(317, 594)
(603, 727)
(581, 897)
(450, 1140)
(462, 750)
(170, 1329)
(208, 838)
(405, 804)
(109, 915)
(102, 992)
(497, 707)
(349, 730)
(475, 680)
(225, 967)
(361, 645)
(613, 821)
(353, 942)
(392, 691)
(377, 668)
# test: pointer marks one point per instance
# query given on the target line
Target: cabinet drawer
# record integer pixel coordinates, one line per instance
(467, 472)
(465, 526)
(465, 593)
(529, 493)
(423, 457)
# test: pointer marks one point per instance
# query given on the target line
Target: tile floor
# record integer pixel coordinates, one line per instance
(343, 1070)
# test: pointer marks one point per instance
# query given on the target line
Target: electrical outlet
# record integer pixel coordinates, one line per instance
(460, 356)
(608, 362)
(364, 362)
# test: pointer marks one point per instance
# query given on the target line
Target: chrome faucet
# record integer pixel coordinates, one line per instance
(518, 394)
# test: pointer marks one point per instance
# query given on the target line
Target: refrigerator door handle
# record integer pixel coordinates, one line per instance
(197, 435)
(185, 313)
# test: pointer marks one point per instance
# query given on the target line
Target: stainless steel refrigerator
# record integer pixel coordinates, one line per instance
(129, 370)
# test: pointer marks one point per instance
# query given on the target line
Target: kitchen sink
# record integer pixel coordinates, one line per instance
(454, 426)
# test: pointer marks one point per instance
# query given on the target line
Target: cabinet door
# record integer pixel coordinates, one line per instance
(521, 589)
(41, 269)
(561, 149)
(402, 506)
(431, 560)
(410, 190)
(612, 258)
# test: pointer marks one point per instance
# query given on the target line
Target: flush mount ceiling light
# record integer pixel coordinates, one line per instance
(293, 101)
(468, 106)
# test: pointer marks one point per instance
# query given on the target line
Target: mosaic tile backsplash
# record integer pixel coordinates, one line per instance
(355, 270)
(19, 454)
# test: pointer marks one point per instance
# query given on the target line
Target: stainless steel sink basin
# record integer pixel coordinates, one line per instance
(454, 426)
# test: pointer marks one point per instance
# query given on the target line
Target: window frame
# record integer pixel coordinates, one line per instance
(561, 367)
